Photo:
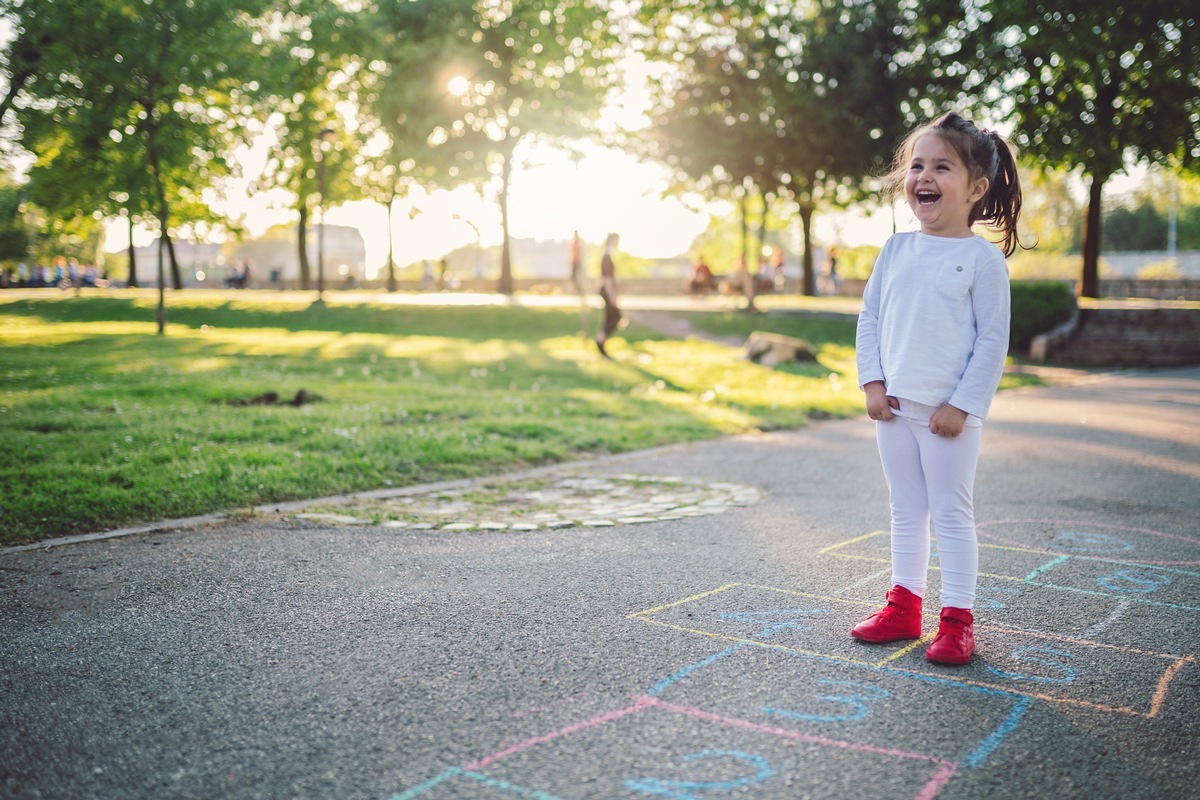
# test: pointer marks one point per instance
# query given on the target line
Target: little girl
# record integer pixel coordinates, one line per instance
(932, 338)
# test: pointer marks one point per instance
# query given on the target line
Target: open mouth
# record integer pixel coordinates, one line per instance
(927, 197)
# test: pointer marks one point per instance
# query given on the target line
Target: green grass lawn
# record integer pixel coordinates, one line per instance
(104, 423)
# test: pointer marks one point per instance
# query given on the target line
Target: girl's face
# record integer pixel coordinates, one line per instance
(939, 189)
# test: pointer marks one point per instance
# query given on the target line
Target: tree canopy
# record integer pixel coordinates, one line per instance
(1090, 87)
(137, 108)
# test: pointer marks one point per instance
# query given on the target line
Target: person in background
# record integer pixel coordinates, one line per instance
(575, 259)
(608, 293)
(701, 280)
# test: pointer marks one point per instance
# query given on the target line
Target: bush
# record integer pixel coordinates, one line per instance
(1037, 307)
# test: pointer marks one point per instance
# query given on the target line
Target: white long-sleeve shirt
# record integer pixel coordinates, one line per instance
(934, 321)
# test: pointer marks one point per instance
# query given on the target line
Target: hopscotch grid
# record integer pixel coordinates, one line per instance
(1163, 534)
(700, 596)
(975, 759)
(856, 539)
(943, 771)
(1162, 566)
(422, 788)
(1155, 705)
(599, 719)
(1023, 700)
(1028, 581)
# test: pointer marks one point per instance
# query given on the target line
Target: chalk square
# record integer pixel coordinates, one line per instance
(653, 748)
(865, 705)
(1170, 587)
(1101, 540)
(793, 621)
(1044, 666)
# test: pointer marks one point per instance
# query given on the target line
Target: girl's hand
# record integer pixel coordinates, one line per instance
(947, 421)
(879, 402)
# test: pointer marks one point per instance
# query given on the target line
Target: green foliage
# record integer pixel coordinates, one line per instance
(856, 263)
(1140, 228)
(1091, 87)
(1037, 307)
(800, 101)
(1051, 217)
(105, 424)
(14, 236)
(134, 104)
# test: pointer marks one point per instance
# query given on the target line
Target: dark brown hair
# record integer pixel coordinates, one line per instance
(986, 155)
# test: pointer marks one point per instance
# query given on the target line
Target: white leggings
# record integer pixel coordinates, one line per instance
(930, 477)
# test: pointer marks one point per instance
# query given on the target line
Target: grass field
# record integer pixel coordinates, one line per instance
(104, 423)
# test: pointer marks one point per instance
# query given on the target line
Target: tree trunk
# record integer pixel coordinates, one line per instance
(302, 236)
(748, 278)
(807, 278)
(176, 276)
(506, 279)
(744, 210)
(766, 198)
(391, 264)
(164, 212)
(1089, 284)
(132, 282)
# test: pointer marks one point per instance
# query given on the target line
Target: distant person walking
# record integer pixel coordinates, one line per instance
(832, 281)
(608, 293)
(931, 343)
(577, 263)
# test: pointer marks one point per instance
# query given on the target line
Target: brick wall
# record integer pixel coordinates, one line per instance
(1131, 337)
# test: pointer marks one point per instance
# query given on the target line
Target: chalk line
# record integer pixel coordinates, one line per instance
(1116, 614)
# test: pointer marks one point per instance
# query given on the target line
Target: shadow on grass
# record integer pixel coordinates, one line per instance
(474, 323)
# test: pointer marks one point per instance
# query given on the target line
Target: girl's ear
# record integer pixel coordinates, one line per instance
(979, 190)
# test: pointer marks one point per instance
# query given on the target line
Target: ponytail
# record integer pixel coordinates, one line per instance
(1001, 206)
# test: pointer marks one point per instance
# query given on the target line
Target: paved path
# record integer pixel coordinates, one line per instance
(700, 657)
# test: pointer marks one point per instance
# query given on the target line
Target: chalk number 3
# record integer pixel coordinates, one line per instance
(754, 770)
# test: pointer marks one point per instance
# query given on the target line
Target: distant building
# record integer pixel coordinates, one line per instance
(273, 259)
(198, 263)
(549, 259)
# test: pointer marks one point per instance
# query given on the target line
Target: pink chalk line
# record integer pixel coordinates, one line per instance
(599, 719)
(940, 777)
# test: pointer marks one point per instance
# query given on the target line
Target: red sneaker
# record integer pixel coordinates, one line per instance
(899, 619)
(955, 640)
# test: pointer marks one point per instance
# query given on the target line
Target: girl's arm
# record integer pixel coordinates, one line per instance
(991, 304)
(866, 337)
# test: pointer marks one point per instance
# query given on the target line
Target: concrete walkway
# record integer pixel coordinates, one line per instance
(705, 656)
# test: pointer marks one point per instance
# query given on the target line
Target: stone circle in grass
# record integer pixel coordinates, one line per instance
(537, 504)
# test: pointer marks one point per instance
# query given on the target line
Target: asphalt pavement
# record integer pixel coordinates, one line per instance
(703, 656)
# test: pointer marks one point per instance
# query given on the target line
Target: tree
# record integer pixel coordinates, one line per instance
(134, 104)
(502, 72)
(1091, 87)
(412, 50)
(802, 101)
(311, 84)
